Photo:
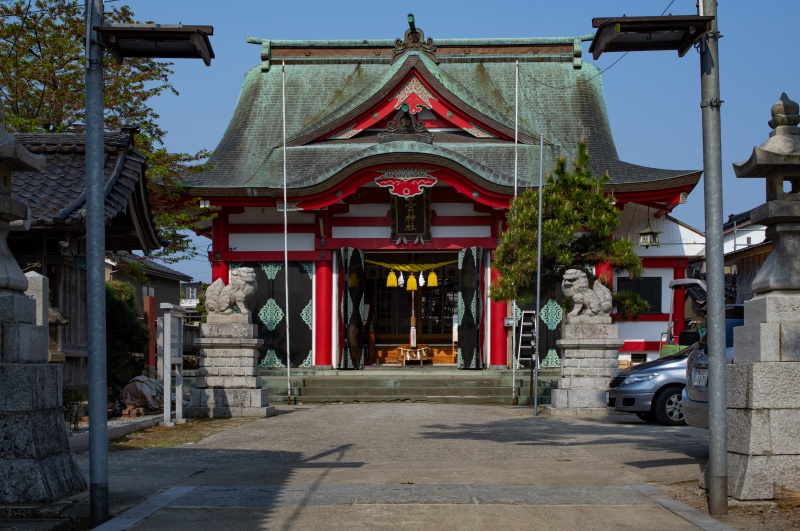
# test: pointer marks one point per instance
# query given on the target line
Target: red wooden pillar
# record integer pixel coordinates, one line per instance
(679, 302)
(604, 272)
(219, 244)
(322, 313)
(497, 331)
(149, 310)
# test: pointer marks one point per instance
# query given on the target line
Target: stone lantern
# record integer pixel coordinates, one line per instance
(36, 465)
(763, 405)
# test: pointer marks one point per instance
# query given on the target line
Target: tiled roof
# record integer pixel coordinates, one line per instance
(151, 267)
(56, 196)
(564, 103)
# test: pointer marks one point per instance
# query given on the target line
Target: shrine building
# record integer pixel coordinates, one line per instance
(399, 166)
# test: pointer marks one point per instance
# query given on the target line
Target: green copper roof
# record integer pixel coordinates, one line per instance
(563, 102)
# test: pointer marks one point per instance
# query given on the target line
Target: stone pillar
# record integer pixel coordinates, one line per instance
(763, 404)
(590, 346)
(36, 464)
(590, 359)
(227, 383)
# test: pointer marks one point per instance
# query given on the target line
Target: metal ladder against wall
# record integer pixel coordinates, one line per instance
(527, 328)
(525, 347)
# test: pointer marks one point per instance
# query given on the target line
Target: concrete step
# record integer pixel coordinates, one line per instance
(406, 382)
(439, 399)
(416, 392)
(442, 385)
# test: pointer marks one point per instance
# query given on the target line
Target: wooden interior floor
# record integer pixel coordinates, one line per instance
(439, 355)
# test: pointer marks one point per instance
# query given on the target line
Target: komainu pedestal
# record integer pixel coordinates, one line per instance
(590, 359)
(228, 384)
(763, 398)
(590, 349)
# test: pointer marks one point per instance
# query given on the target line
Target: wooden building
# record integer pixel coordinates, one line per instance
(54, 243)
(400, 159)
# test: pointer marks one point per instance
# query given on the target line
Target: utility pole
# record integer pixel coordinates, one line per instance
(710, 103)
(95, 266)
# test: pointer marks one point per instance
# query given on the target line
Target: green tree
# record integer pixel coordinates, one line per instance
(578, 222)
(42, 88)
(127, 336)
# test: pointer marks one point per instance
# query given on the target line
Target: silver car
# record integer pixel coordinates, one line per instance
(695, 394)
(653, 389)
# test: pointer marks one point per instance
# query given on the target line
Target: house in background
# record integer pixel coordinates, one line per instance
(191, 295)
(154, 284)
(55, 243)
(746, 249)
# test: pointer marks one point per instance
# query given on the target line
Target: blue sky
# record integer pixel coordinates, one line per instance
(652, 98)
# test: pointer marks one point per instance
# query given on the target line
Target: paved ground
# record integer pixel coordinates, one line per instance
(413, 466)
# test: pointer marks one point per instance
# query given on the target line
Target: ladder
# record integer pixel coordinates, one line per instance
(527, 329)
(525, 348)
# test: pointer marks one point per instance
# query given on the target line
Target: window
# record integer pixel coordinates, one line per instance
(648, 287)
(148, 291)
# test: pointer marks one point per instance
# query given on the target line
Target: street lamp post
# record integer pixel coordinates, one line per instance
(680, 33)
(124, 41)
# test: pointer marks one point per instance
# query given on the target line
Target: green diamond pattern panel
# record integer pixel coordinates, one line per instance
(308, 315)
(271, 360)
(271, 314)
(552, 359)
(552, 314)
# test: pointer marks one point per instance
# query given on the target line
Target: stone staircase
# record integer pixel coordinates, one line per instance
(444, 385)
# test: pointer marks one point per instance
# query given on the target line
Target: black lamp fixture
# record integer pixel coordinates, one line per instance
(648, 237)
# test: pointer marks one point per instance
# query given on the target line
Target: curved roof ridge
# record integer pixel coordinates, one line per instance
(354, 43)
(492, 177)
(450, 84)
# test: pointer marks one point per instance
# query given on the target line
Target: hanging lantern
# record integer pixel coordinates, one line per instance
(391, 280)
(421, 279)
(648, 237)
(352, 280)
(433, 280)
(412, 283)
(401, 281)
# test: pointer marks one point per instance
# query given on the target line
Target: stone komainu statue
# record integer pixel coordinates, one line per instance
(589, 302)
(221, 299)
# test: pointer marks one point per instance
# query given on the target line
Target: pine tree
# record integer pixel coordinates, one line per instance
(578, 222)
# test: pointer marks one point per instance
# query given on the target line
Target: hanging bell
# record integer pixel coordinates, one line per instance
(401, 281)
(391, 280)
(433, 280)
(412, 283)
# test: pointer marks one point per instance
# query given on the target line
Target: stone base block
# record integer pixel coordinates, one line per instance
(232, 318)
(755, 477)
(576, 411)
(223, 412)
(228, 382)
(16, 307)
(227, 343)
(757, 342)
(35, 452)
(764, 431)
(229, 330)
(579, 399)
(229, 398)
(591, 331)
(583, 383)
(772, 308)
(40, 480)
(26, 387)
(23, 343)
(762, 385)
